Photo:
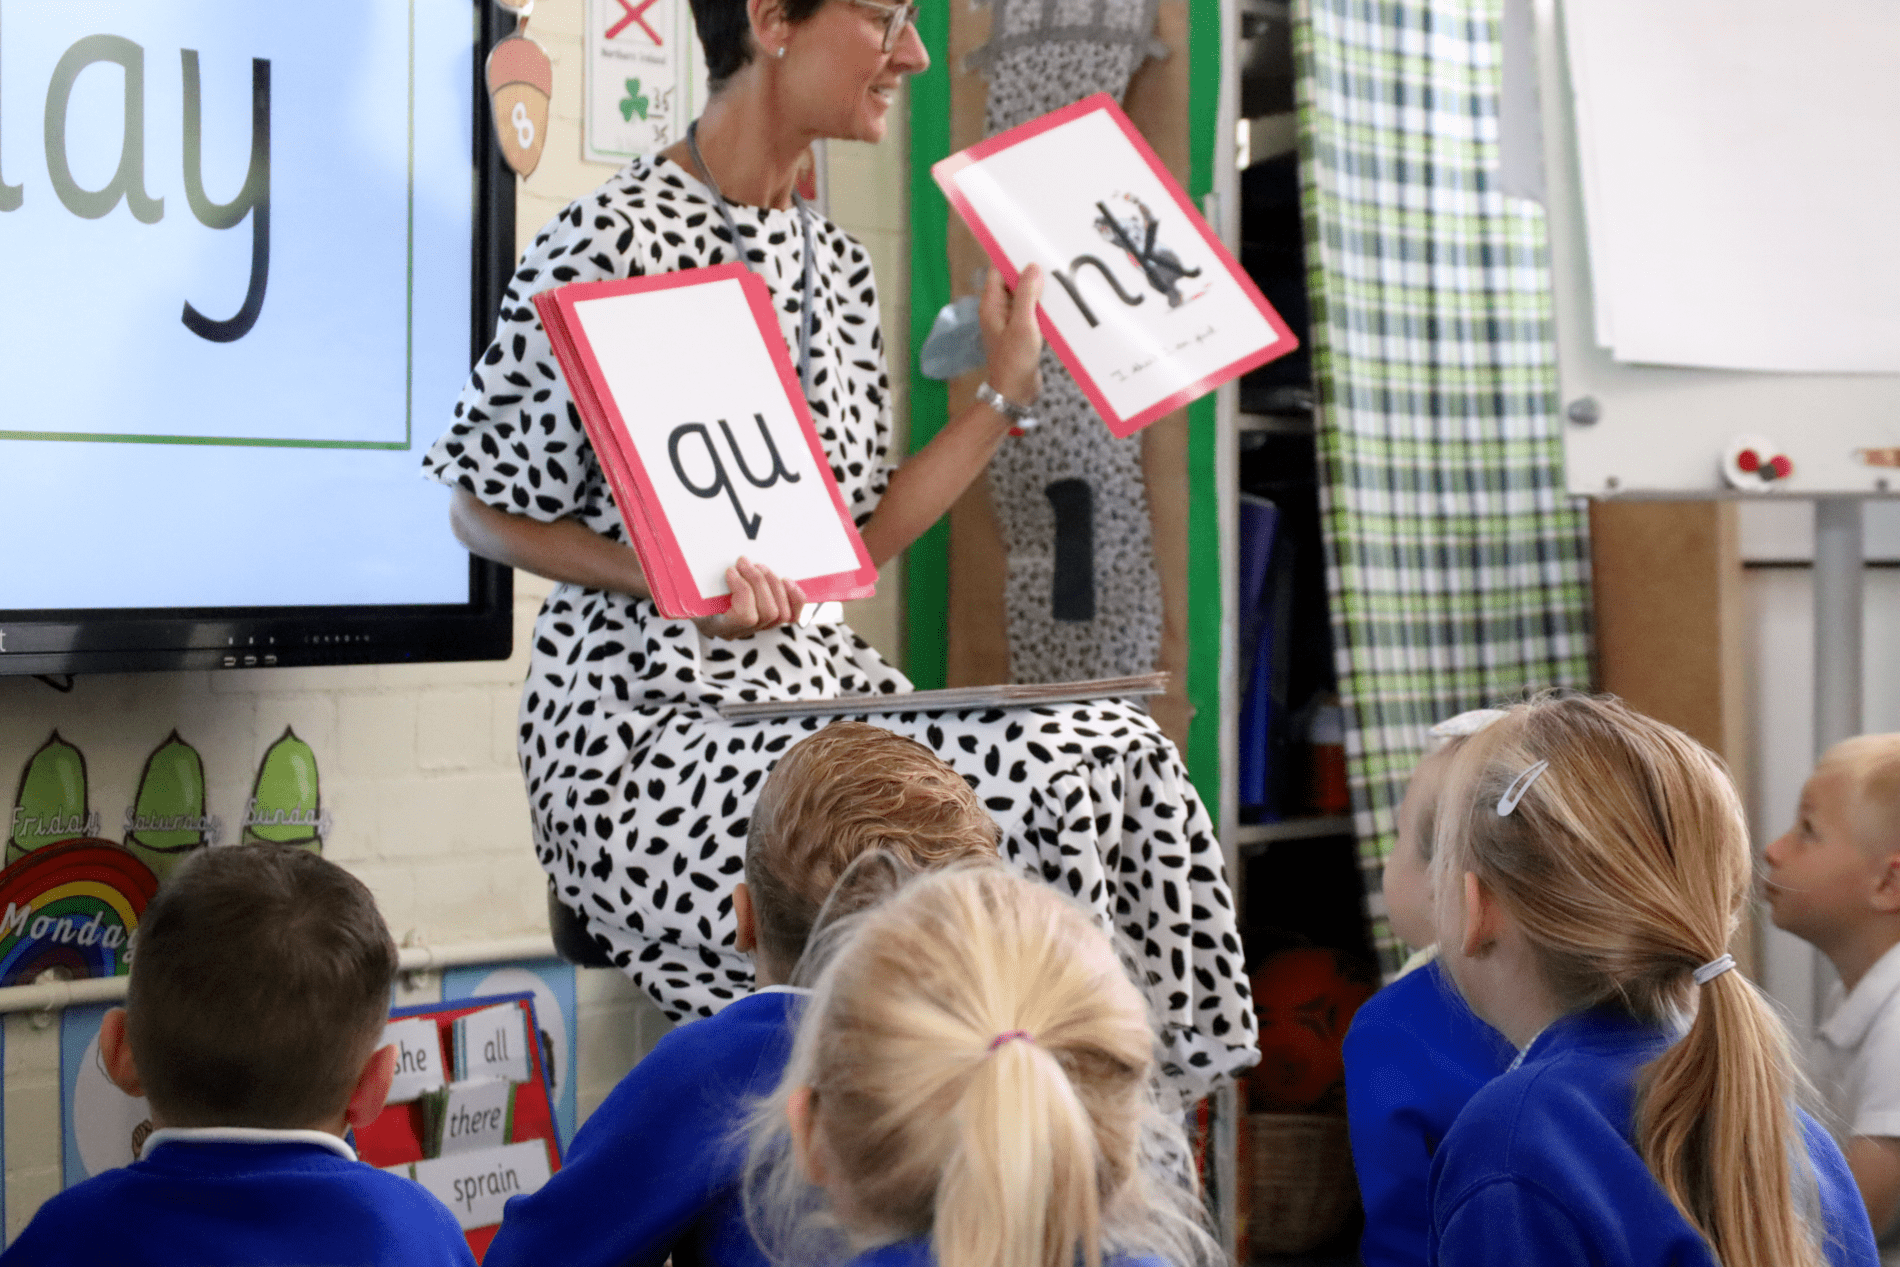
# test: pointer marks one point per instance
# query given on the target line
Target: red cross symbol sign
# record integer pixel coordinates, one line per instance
(634, 13)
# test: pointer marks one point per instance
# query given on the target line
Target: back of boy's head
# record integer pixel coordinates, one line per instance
(982, 1071)
(837, 795)
(1619, 845)
(1871, 764)
(260, 984)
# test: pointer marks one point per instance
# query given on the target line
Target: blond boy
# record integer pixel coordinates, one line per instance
(655, 1170)
(1834, 881)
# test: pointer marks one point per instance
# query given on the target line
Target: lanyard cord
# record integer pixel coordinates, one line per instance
(738, 244)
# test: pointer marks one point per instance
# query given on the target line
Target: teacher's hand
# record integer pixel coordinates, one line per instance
(1011, 339)
(761, 599)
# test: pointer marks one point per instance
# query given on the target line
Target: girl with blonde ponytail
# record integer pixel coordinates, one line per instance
(973, 1082)
(1593, 866)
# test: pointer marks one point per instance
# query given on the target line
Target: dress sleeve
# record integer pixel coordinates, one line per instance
(517, 441)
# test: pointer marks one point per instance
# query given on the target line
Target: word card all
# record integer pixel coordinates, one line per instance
(492, 1043)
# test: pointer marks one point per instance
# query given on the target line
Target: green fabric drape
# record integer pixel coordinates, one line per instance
(1458, 569)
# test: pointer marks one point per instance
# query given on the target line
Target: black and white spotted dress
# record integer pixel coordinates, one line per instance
(639, 791)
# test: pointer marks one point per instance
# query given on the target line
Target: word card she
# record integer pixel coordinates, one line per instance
(1143, 304)
(685, 388)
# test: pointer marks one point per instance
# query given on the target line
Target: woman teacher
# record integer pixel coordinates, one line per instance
(638, 790)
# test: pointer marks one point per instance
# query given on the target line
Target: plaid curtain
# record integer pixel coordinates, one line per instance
(1458, 569)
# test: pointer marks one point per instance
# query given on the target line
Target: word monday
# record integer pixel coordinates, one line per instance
(128, 182)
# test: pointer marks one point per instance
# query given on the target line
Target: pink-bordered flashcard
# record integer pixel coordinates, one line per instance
(688, 394)
(1143, 304)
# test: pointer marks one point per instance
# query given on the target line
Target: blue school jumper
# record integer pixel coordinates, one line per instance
(917, 1253)
(1414, 1056)
(243, 1199)
(655, 1169)
(1540, 1167)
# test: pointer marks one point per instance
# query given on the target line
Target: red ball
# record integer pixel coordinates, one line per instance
(1782, 468)
(1748, 460)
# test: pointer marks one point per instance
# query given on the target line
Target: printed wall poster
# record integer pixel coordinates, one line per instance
(645, 77)
(551, 982)
(104, 1127)
(70, 899)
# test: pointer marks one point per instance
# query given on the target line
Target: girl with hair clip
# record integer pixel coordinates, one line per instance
(1592, 866)
(972, 1082)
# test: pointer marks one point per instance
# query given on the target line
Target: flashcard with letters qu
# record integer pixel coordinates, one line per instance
(687, 391)
(1143, 304)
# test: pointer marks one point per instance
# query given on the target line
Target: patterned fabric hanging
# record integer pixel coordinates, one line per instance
(1458, 568)
(1081, 592)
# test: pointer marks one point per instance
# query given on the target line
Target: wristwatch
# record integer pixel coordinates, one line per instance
(1021, 417)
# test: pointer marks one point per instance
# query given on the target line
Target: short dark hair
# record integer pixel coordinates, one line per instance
(260, 985)
(836, 795)
(726, 34)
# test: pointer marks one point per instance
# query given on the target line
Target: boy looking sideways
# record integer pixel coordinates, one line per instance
(1834, 881)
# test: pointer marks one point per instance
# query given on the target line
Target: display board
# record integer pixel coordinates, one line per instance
(245, 248)
(1656, 430)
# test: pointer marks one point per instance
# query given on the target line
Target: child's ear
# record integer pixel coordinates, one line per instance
(801, 1115)
(115, 1053)
(372, 1087)
(1481, 917)
(745, 936)
(1886, 893)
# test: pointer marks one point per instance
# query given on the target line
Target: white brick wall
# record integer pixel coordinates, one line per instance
(417, 762)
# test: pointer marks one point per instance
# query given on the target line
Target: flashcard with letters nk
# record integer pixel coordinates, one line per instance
(1143, 304)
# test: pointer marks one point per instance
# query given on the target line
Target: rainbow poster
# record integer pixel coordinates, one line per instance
(69, 900)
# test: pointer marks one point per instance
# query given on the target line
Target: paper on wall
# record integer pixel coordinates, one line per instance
(1737, 179)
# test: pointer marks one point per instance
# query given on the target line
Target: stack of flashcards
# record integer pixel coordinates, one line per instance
(469, 1115)
(687, 392)
(1015, 695)
(1143, 304)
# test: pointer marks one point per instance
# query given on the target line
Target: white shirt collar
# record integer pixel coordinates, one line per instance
(245, 1135)
(1852, 1019)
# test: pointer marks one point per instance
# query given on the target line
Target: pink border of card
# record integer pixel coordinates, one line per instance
(946, 173)
(674, 591)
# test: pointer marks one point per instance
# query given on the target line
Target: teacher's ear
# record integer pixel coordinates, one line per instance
(771, 27)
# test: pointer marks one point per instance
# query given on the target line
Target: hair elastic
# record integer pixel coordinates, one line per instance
(1465, 724)
(1520, 785)
(1009, 1035)
(1713, 969)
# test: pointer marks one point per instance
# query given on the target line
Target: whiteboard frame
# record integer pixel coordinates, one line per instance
(1663, 430)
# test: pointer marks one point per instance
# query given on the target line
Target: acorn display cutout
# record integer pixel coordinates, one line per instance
(520, 82)
(168, 821)
(286, 805)
(51, 804)
(1754, 464)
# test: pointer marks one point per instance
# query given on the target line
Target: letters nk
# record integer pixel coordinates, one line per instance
(128, 182)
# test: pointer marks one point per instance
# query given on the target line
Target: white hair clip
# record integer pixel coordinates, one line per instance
(1520, 785)
(1465, 724)
(1713, 969)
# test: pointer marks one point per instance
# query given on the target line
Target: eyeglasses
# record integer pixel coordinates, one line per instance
(897, 17)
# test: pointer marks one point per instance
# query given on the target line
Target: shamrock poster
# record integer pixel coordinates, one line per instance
(645, 77)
